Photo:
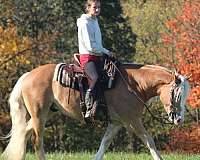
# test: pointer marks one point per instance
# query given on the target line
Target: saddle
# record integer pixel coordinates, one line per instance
(73, 77)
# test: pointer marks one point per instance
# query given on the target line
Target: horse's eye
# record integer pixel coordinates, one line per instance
(177, 81)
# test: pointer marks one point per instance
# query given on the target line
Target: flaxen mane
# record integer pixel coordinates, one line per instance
(148, 75)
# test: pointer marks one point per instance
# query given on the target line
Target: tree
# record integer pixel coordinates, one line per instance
(184, 39)
(10, 44)
(147, 19)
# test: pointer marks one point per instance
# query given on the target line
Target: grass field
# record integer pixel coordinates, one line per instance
(114, 156)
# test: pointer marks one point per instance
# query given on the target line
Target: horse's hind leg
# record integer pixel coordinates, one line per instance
(38, 114)
(37, 139)
(145, 137)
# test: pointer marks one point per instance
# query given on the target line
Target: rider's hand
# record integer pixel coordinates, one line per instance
(112, 54)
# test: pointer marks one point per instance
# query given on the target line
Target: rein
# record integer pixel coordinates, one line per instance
(162, 120)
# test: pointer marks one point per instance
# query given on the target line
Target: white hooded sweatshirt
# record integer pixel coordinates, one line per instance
(89, 36)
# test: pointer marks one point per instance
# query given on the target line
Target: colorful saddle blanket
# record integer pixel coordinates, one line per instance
(68, 75)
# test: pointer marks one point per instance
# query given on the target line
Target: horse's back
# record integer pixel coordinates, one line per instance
(41, 73)
(45, 70)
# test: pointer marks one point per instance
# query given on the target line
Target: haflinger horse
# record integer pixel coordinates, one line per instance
(37, 90)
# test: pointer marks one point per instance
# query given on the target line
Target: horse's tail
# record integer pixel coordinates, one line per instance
(16, 147)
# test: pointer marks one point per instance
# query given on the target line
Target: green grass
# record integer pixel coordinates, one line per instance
(113, 156)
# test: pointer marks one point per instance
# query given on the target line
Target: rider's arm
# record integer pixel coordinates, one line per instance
(92, 42)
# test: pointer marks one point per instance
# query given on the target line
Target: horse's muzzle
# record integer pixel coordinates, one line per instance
(175, 118)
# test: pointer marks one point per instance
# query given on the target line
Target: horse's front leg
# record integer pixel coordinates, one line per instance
(141, 132)
(111, 131)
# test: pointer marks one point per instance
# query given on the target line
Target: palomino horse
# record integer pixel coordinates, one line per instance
(37, 90)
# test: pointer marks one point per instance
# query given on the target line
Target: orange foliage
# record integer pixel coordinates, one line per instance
(185, 140)
(23, 50)
(11, 43)
(184, 38)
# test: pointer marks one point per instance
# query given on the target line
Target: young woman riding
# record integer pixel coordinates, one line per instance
(90, 47)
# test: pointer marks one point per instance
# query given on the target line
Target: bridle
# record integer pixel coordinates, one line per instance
(173, 95)
(175, 98)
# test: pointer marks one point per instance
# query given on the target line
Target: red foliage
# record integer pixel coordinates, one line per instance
(185, 140)
(184, 38)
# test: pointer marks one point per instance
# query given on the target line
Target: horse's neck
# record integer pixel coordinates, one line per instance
(148, 78)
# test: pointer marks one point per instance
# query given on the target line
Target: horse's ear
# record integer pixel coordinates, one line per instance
(188, 76)
(176, 78)
(174, 74)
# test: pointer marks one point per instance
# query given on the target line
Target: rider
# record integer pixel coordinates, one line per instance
(90, 47)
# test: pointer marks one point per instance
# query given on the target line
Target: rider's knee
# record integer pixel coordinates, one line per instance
(94, 77)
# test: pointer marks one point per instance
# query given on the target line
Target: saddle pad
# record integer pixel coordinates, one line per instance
(68, 74)
(61, 75)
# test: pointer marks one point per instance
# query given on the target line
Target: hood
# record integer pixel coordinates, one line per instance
(84, 18)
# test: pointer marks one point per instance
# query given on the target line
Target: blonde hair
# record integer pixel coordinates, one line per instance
(88, 4)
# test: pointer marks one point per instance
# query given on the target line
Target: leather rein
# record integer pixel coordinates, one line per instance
(162, 120)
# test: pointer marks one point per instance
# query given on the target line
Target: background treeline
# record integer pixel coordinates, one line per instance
(33, 33)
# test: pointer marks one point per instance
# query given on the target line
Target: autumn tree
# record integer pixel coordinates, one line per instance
(10, 44)
(183, 39)
(147, 19)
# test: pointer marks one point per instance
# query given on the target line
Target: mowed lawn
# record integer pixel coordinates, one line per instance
(114, 156)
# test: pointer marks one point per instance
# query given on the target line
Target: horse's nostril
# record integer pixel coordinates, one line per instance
(178, 120)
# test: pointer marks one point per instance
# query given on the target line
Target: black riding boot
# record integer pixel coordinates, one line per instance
(88, 102)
